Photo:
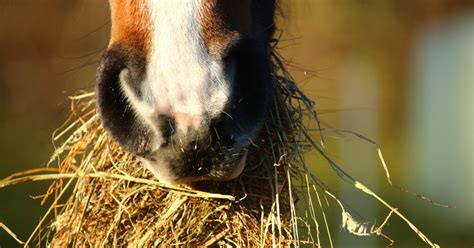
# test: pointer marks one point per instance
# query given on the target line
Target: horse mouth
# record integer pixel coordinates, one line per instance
(187, 167)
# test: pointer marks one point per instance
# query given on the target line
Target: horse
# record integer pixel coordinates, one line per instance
(185, 85)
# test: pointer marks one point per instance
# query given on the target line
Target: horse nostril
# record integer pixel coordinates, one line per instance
(166, 125)
(118, 117)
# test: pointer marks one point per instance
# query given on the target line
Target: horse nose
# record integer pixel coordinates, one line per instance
(185, 122)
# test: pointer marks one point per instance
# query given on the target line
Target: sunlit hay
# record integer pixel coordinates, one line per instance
(102, 196)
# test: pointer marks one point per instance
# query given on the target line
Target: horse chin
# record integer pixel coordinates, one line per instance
(166, 172)
(237, 170)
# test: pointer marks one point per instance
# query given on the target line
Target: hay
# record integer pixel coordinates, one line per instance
(102, 195)
(115, 201)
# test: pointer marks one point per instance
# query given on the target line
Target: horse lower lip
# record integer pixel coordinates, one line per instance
(198, 168)
(238, 169)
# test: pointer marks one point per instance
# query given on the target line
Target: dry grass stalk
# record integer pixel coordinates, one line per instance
(103, 196)
(113, 200)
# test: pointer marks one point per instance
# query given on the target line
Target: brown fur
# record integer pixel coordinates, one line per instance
(223, 22)
(131, 26)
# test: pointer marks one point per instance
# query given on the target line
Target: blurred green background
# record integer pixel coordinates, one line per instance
(400, 72)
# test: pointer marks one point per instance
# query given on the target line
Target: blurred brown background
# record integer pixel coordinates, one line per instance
(400, 72)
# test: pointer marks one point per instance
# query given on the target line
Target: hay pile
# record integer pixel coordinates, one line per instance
(102, 195)
(115, 201)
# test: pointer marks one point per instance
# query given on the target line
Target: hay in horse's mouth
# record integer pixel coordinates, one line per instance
(116, 201)
(110, 204)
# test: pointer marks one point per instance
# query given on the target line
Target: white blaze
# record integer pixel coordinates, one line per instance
(181, 77)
